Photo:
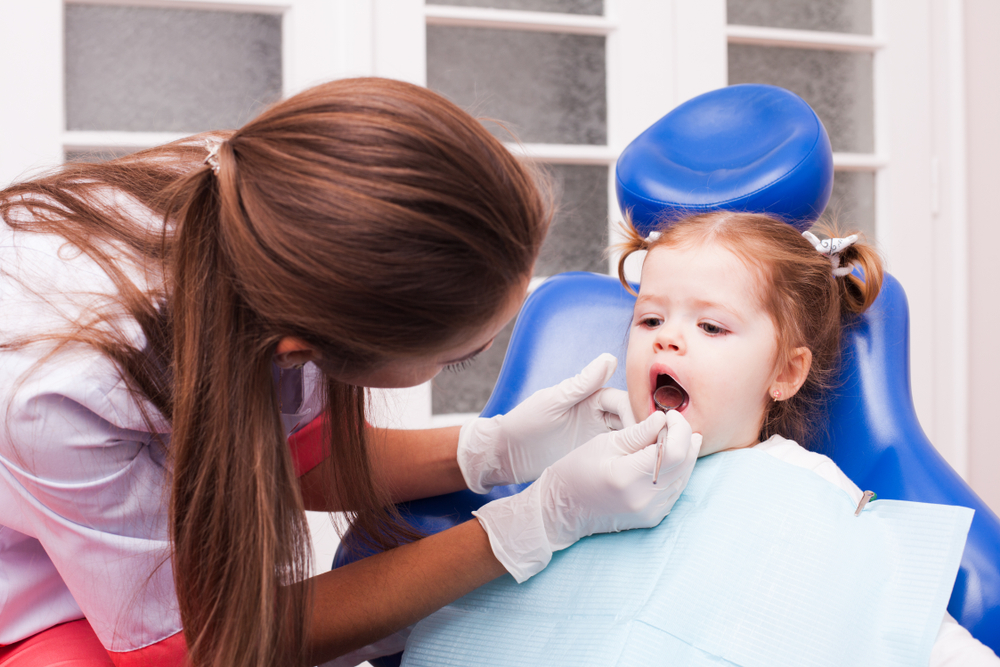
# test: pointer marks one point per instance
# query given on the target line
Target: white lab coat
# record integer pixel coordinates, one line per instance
(83, 482)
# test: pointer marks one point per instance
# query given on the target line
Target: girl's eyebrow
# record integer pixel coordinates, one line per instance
(472, 354)
(713, 305)
(700, 303)
(645, 297)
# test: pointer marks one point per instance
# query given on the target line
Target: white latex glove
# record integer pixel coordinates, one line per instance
(605, 486)
(516, 447)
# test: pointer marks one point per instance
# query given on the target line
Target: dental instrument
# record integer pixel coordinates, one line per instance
(666, 398)
(865, 499)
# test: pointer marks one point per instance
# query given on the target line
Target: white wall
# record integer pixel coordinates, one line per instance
(982, 53)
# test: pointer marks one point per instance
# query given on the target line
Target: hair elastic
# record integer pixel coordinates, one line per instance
(832, 249)
(212, 144)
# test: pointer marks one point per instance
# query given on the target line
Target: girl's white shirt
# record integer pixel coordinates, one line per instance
(955, 646)
(84, 484)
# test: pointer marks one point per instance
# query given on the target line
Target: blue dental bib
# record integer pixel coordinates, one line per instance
(760, 563)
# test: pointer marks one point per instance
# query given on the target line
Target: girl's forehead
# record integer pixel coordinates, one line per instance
(706, 266)
(702, 256)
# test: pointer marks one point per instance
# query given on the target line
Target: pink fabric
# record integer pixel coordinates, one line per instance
(74, 644)
(308, 446)
(171, 652)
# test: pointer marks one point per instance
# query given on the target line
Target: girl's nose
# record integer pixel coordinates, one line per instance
(669, 339)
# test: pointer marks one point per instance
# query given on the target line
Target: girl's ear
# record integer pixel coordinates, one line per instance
(790, 378)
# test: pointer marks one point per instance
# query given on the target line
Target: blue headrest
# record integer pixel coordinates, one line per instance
(749, 147)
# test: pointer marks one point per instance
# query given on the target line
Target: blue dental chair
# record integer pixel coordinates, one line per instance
(756, 148)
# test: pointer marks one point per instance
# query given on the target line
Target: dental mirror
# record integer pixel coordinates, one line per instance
(669, 397)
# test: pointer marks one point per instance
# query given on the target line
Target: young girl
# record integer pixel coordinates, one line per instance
(741, 315)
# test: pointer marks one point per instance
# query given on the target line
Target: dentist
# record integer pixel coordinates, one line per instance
(186, 335)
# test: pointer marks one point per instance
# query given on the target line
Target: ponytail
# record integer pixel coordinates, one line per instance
(236, 519)
(857, 292)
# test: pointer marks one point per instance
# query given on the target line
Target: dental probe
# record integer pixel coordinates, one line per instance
(666, 398)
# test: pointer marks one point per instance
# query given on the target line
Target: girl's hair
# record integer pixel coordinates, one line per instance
(796, 287)
(371, 218)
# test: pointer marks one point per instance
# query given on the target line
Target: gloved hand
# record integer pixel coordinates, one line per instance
(516, 447)
(604, 486)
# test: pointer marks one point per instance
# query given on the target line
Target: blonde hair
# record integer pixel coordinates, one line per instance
(796, 287)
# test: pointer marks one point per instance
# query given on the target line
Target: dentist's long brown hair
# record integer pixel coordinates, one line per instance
(369, 217)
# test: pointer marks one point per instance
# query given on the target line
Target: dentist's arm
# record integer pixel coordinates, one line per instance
(504, 449)
(366, 601)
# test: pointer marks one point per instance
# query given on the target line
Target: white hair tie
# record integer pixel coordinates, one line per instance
(832, 249)
(212, 144)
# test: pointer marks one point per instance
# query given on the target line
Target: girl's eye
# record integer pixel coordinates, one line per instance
(651, 322)
(460, 366)
(712, 329)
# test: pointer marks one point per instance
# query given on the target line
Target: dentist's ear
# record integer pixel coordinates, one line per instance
(791, 377)
(293, 352)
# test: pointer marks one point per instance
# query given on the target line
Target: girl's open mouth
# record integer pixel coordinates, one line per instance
(669, 395)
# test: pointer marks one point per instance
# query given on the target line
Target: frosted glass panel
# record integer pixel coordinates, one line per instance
(853, 16)
(578, 234)
(546, 87)
(97, 155)
(559, 6)
(468, 390)
(852, 203)
(836, 84)
(168, 70)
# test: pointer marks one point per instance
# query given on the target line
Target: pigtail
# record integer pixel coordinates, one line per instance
(237, 523)
(819, 298)
(857, 294)
(632, 242)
